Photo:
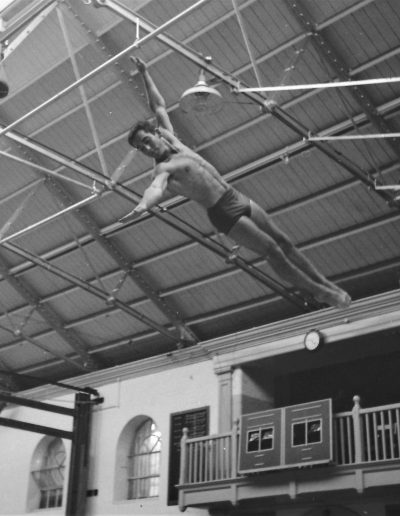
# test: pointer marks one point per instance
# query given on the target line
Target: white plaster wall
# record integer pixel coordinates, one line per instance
(156, 395)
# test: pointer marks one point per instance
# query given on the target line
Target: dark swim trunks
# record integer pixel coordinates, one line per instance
(228, 210)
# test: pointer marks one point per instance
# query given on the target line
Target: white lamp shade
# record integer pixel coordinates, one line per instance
(201, 98)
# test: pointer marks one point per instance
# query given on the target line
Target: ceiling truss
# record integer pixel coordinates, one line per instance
(110, 186)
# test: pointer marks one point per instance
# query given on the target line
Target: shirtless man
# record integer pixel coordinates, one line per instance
(181, 171)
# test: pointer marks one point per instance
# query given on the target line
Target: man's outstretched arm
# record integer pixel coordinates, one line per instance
(155, 193)
(156, 100)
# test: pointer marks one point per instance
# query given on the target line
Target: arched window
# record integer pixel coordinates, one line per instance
(47, 473)
(137, 472)
(144, 461)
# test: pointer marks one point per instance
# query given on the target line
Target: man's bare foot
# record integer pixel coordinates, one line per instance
(334, 297)
(130, 216)
(344, 299)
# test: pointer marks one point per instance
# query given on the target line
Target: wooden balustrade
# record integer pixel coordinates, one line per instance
(361, 436)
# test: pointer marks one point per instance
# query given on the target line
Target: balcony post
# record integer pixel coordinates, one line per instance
(183, 468)
(358, 433)
(183, 462)
(235, 444)
(225, 399)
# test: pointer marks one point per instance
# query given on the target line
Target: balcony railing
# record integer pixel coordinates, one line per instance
(367, 435)
(361, 436)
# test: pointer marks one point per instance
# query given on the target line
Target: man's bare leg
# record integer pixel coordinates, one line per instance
(263, 221)
(246, 233)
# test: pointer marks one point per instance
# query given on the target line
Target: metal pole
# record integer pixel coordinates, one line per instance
(79, 463)
(41, 168)
(75, 206)
(321, 85)
(39, 405)
(31, 427)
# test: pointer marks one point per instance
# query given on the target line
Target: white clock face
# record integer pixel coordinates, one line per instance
(312, 340)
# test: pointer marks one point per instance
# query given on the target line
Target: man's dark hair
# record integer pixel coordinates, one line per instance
(144, 125)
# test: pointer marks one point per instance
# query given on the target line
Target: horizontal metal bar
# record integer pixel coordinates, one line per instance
(354, 137)
(320, 85)
(39, 429)
(35, 166)
(39, 405)
(75, 206)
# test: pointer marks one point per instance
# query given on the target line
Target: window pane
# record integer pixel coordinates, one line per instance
(50, 476)
(267, 438)
(253, 441)
(144, 464)
(314, 431)
(299, 434)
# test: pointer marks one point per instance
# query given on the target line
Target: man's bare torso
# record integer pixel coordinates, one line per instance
(192, 176)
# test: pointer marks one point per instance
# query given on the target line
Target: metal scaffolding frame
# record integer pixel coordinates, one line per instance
(79, 436)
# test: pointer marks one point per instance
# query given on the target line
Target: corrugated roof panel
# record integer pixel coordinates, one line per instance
(86, 262)
(25, 354)
(360, 249)
(14, 178)
(59, 231)
(77, 304)
(258, 140)
(369, 155)
(111, 327)
(196, 262)
(204, 299)
(333, 213)
(199, 18)
(368, 33)
(280, 26)
(11, 301)
(308, 173)
(320, 11)
(46, 45)
(139, 245)
(384, 92)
